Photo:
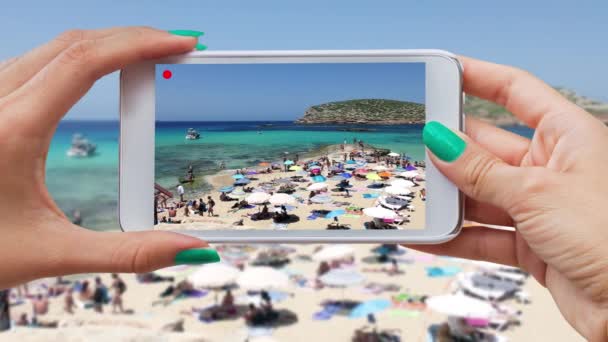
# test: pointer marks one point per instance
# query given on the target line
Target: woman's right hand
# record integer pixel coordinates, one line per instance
(553, 189)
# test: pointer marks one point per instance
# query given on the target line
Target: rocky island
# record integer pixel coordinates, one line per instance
(365, 111)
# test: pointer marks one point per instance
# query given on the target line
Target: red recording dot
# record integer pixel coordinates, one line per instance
(167, 74)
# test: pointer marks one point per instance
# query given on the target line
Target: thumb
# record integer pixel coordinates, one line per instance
(134, 252)
(475, 171)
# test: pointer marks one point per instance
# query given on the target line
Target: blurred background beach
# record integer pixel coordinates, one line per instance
(558, 41)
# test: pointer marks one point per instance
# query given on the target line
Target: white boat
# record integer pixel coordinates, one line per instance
(192, 134)
(81, 147)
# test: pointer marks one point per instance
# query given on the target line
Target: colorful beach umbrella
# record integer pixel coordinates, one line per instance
(380, 213)
(289, 162)
(335, 213)
(346, 175)
(370, 307)
(242, 181)
(281, 199)
(315, 167)
(321, 199)
(257, 198)
(340, 277)
(257, 278)
(238, 193)
(385, 174)
(351, 162)
(238, 176)
(226, 188)
(318, 179)
(373, 176)
(411, 168)
(264, 164)
(333, 252)
(295, 168)
(317, 186)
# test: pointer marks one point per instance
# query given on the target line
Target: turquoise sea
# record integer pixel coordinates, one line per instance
(91, 184)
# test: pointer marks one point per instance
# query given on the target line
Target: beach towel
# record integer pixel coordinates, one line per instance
(371, 195)
(446, 271)
(404, 313)
(351, 216)
(327, 313)
(192, 294)
(312, 217)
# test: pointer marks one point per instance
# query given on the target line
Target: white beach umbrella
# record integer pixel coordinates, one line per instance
(394, 154)
(259, 278)
(402, 183)
(317, 186)
(342, 278)
(257, 198)
(213, 276)
(380, 168)
(409, 174)
(461, 306)
(178, 271)
(333, 252)
(380, 213)
(397, 190)
(281, 199)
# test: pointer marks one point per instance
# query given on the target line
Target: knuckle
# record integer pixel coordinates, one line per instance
(130, 257)
(73, 35)
(535, 181)
(478, 168)
(82, 52)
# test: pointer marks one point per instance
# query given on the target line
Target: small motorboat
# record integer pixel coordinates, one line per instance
(192, 134)
(81, 147)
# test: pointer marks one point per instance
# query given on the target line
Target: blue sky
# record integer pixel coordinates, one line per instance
(259, 92)
(563, 42)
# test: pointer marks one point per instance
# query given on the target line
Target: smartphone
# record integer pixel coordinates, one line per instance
(289, 146)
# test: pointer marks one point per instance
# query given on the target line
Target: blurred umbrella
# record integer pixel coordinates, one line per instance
(460, 306)
(259, 278)
(333, 252)
(409, 174)
(411, 168)
(384, 174)
(226, 188)
(402, 183)
(319, 179)
(289, 162)
(321, 199)
(213, 276)
(242, 181)
(394, 154)
(238, 176)
(295, 168)
(257, 198)
(335, 213)
(346, 175)
(264, 164)
(281, 199)
(380, 213)
(397, 190)
(373, 176)
(342, 278)
(370, 307)
(317, 186)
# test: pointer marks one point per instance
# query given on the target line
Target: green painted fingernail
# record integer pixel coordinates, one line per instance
(187, 33)
(196, 256)
(444, 143)
(200, 47)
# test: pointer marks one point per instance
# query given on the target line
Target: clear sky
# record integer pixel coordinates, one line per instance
(564, 42)
(260, 92)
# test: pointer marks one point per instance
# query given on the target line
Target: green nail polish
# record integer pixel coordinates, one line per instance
(196, 256)
(187, 33)
(444, 143)
(200, 47)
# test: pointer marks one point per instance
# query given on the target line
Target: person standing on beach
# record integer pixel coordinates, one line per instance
(118, 289)
(180, 192)
(210, 206)
(68, 301)
(99, 295)
(202, 207)
(5, 316)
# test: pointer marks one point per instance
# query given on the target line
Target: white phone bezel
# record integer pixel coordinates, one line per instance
(444, 99)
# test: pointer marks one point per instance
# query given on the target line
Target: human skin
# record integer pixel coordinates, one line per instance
(36, 90)
(553, 189)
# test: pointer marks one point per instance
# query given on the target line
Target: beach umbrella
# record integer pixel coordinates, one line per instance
(335, 213)
(295, 168)
(402, 183)
(340, 277)
(226, 188)
(252, 172)
(394, 154)
(362, 172)
(373, 176)
(264, 164)
(370, 307)
(281, 199)
(258, 198)
(334, 252)
(409, 174)
(177, 272)
(214, 276)
(420, 177)
(238, 193)
(302, 173)
(380, 168)
(351, 162)
(380, 213)
(410, 168)
(346, 175)
(257, 278)
(242, 181)
(321, 199)
(238, 176)
(317, 186)
(318, 179)
(460, 305)
(289, 162)
(397, 190)
(384, 174)
(337, 178)
(335, 169)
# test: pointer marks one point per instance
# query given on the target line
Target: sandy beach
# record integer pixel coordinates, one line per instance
(540, 320)
(361, 193)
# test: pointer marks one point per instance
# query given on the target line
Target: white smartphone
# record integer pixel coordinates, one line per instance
(289, 146)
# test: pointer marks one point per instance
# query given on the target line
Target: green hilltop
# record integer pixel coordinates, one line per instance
(364, 111)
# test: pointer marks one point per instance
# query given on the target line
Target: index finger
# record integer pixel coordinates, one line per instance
(522, 94)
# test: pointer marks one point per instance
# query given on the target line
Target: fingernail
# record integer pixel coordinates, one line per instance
(444, 143)
(196, 256)
(200, 47)
(187, 33)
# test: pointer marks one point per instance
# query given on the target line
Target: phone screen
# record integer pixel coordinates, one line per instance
(290, 146)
